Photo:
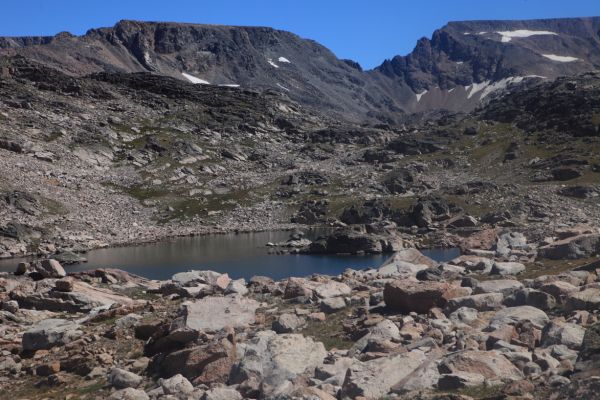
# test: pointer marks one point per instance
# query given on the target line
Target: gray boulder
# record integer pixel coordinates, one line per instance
(222, 393)
(507, 268)
(479, 302)
(514, 315)
(49, 333)
(51, 269)
(121, 378)
(570, 335)
(287, 323)
(332, 305)
(374, 379)
(530, 297)
(176, 385)
(504, 286)
(275, 360)
(129, 394)
(215, 313)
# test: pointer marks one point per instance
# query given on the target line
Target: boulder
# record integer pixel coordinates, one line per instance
(530, 297)
(238, 287)
(212, 314)
(332, 305)
(121, 378)
(558, 289)
(49, 333)
(515, 315)
(507, 268)
(222, 393)
(504, 286)
(177, 385)
(479, 302)
(298, 287)
(374, 379)
(412, 256)
(64, 285)
(287, 323)
(205, 364)
(490, 364)
(332, 289)
(588, 360)
(587, 299)
(420, 297)
(129, 394)
(51, 269)
(193, 278)
(275, 360)
(82, 298)
(460, 380)
(556, 332)
(580, 246)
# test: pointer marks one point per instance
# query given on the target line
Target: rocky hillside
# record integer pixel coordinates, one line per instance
(116, 158)
(460, 66)
(477, 327)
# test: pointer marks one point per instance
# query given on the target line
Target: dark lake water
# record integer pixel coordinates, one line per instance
(240, 255)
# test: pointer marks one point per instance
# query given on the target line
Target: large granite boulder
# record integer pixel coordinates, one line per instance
(275, 360)
(49, 333)
(374, 379)
(515, 315)
(490, 364)
(212, 314)
(420, 297)
(580, 246)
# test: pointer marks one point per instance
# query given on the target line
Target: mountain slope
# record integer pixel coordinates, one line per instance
(253, 57)
(463, 64)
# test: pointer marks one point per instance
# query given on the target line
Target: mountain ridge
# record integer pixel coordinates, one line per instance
(456, 69)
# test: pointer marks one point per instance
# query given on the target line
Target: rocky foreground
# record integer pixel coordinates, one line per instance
(510, 318)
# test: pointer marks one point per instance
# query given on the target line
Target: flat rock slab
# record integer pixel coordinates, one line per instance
(215, 313)
(49, 333)
(489, 364)
(504, 286)
(412, 256)
(580, 246)
(407, 296)
(375, 378)
(513, 315)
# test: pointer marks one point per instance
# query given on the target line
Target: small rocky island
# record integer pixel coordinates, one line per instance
(509, 318)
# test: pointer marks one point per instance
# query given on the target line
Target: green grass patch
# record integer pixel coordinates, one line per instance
(330, 331)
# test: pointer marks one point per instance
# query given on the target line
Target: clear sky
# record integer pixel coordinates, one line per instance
(367, 31)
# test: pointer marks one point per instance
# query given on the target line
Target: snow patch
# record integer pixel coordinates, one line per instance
(554, 57)
(476, 87)
(283, 87)
(489, 87)
(195, 80)
(451, 90)
(521, 33)
(283, 60)
(460, 62)
(270, 61)
(230, 85)
(147, 58)
(419, 95)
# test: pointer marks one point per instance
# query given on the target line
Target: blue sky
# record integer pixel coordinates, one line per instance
(367, 31)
